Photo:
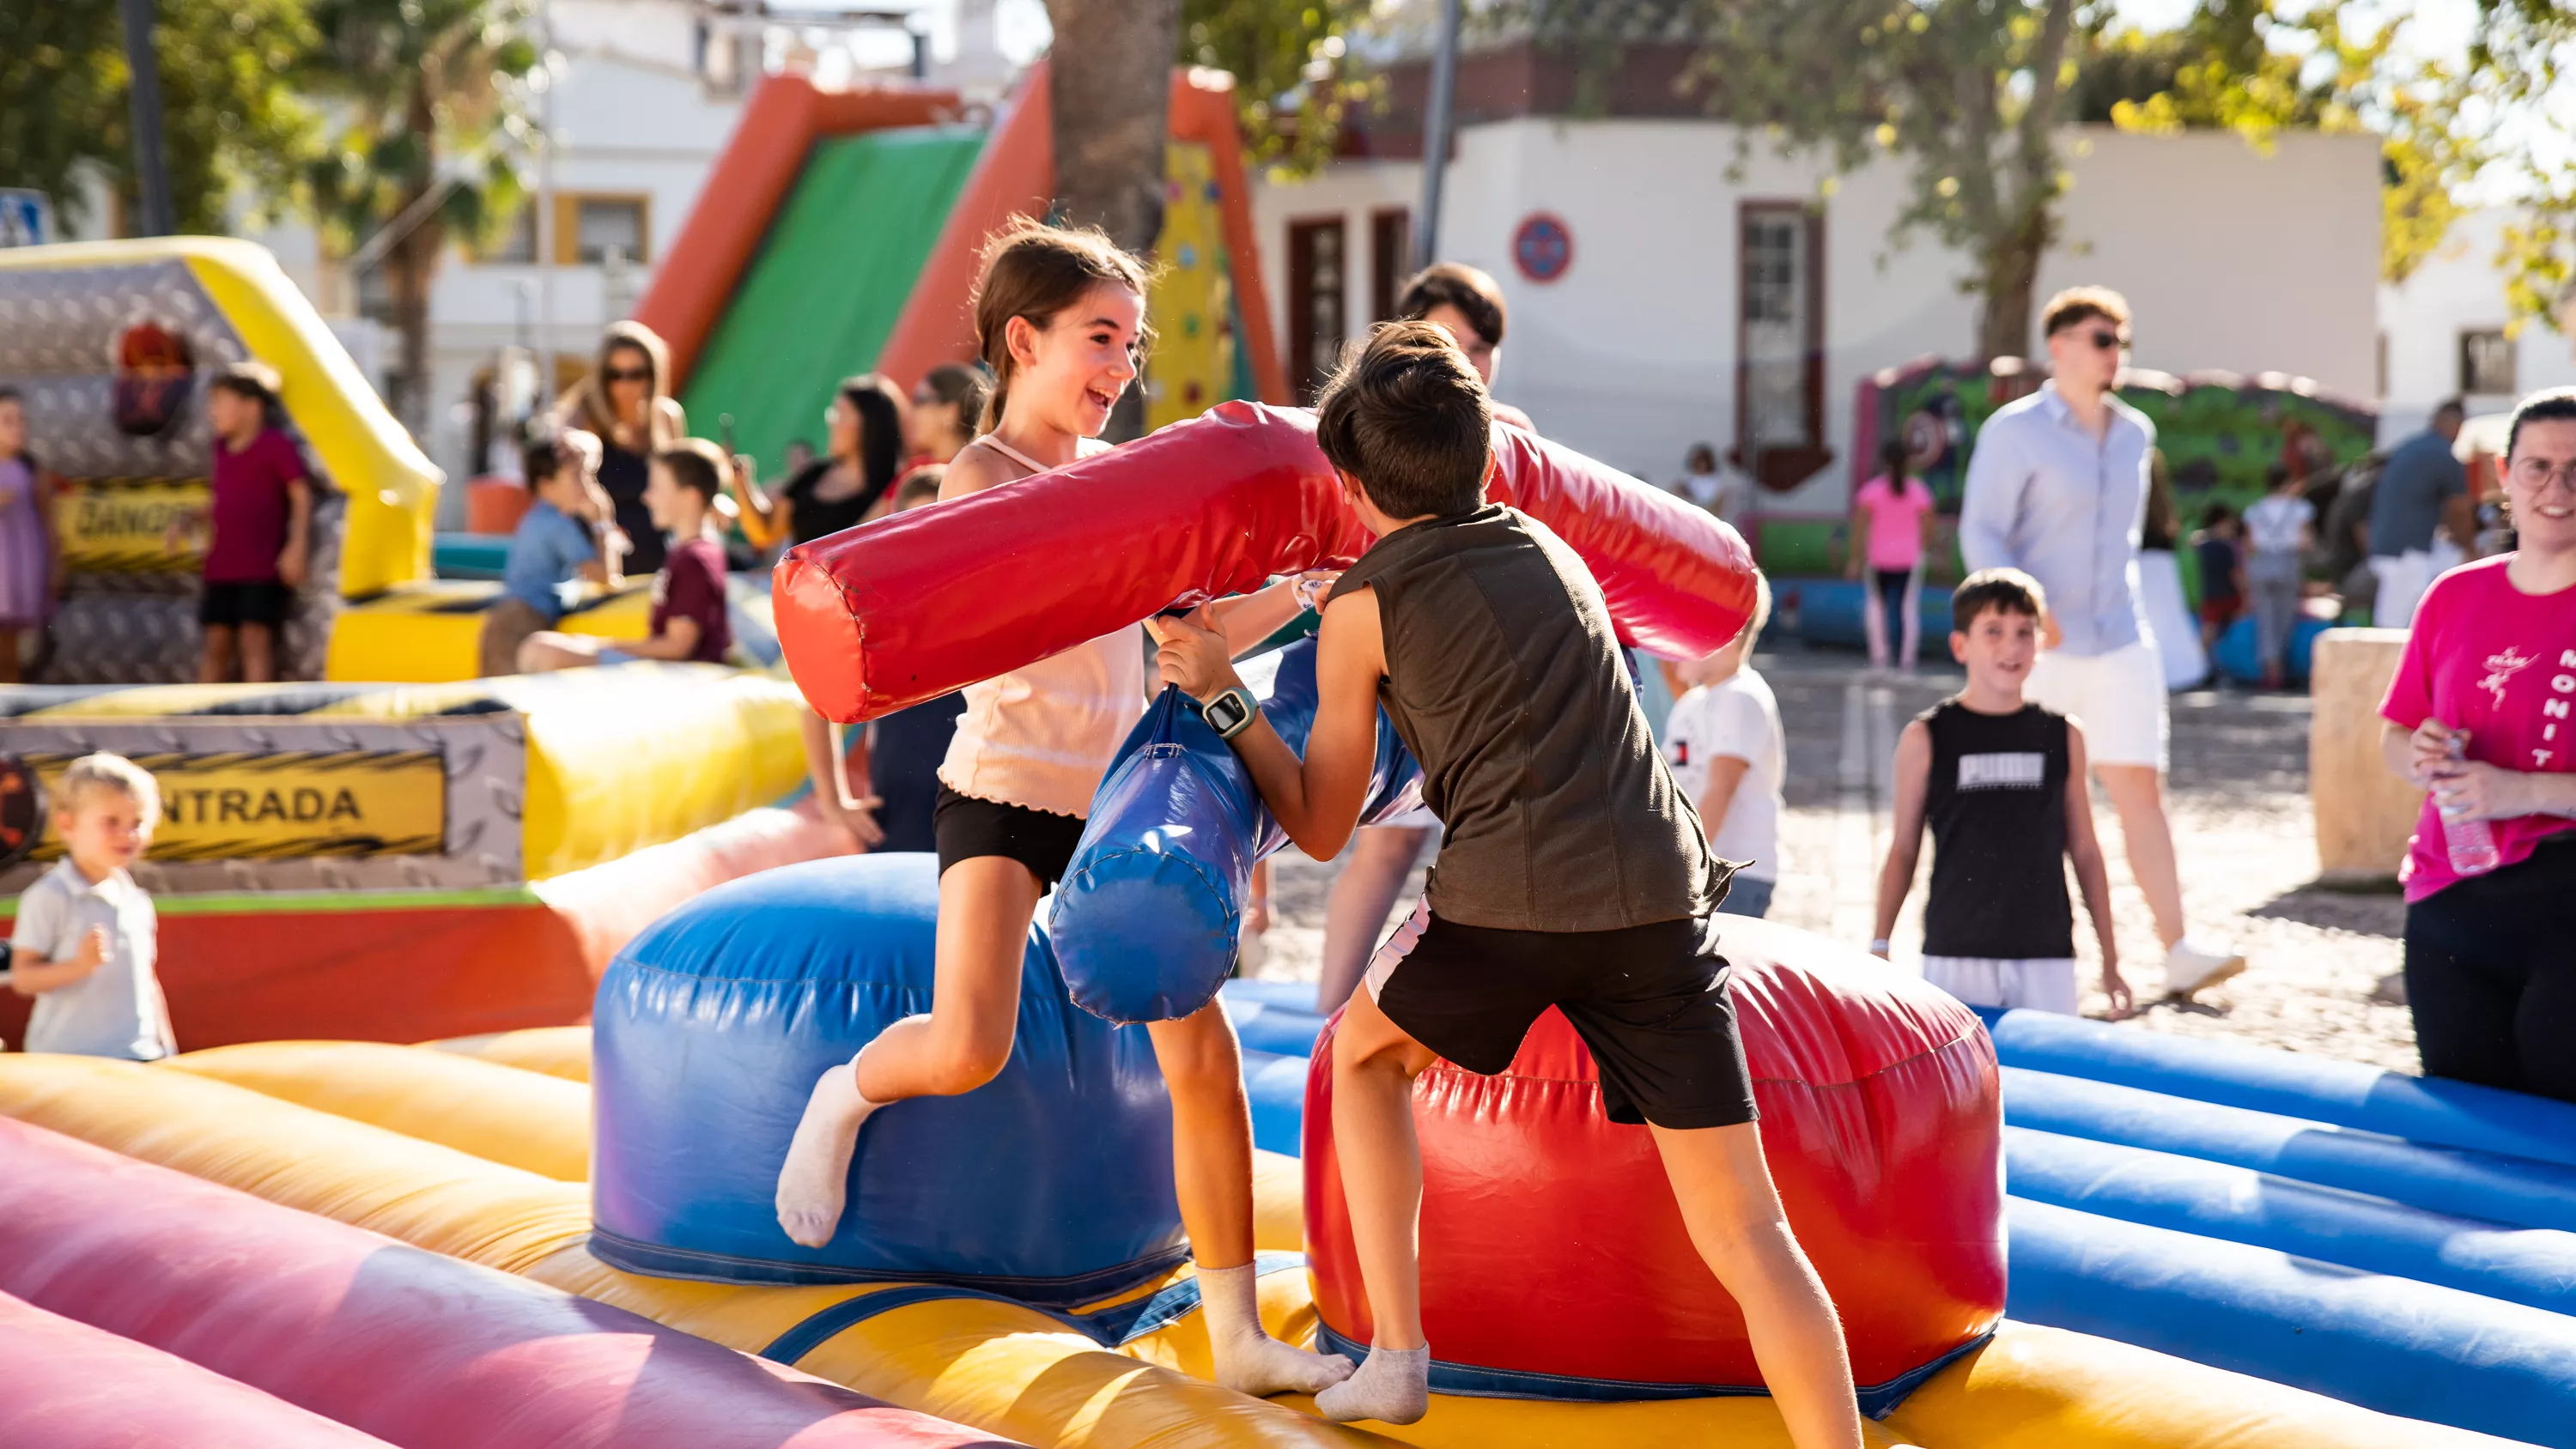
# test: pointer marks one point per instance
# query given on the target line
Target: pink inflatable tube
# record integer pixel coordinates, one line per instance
(71, 1386)
(415, 1348)
(911, 607)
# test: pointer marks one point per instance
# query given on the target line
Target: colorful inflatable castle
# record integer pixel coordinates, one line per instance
(530, 1234)
(343, 856)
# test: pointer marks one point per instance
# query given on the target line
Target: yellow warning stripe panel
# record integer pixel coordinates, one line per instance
(131, 525)
(285, 804)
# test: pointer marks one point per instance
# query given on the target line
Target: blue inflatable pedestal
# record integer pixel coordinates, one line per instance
(1051, 1184)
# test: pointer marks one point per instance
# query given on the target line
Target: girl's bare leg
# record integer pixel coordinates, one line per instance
(985, 905)
(1212, 1171)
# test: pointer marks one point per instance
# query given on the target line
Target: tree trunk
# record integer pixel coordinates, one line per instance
(410, 262)
(1110, 76)
(2010, 267)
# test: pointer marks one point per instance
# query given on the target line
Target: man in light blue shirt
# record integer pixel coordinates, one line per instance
(2057, 487)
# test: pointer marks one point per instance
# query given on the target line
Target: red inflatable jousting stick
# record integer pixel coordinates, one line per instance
(908, 608)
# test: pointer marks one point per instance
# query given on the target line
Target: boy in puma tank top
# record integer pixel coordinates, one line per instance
(1573, 873)
(2001, 782)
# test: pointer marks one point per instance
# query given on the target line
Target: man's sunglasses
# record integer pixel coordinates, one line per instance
(2105, 340)
(628, 374)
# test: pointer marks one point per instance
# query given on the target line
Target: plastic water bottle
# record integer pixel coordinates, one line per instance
(2472, 843)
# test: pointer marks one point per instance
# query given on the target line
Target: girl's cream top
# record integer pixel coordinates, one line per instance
(1042, 735)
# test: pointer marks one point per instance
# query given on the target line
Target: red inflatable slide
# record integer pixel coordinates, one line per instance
(913, 606)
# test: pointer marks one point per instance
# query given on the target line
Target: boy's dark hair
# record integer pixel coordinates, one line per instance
(2554, 405)
(2215, 514)
(696, 463)
(2084, 304)
(1408, 417)
(919, 485)
(10, 394)
(1461, 286)
(251, 379)
(1988, 590)
(548, 453)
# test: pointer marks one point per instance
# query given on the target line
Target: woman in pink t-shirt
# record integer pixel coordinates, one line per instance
(2482, 714)
(1888, 523)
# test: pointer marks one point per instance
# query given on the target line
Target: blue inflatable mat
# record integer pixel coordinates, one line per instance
(1289, 995)
(1272, 1028)
(2346, 1094)
(1146, 921)
(2384, 1343)
(2530, 1266)
(2450, 1180)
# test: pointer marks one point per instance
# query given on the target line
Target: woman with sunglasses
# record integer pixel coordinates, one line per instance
(2482, 716)
(626, 403)
(945, 409)
(851, 483)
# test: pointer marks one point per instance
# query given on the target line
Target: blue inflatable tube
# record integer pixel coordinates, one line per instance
(2384, 1343)
(2347, 1094)
(1277, 1087)
(2536, 1267)
(1146, 920)
(2439, 1179)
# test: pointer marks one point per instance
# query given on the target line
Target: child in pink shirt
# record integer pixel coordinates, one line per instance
(1888, 524)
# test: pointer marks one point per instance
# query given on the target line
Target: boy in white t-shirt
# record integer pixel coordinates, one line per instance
(1728, 754)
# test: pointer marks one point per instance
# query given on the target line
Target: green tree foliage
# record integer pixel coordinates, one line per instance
(233, 128)
(1968, 92)
(2519, 62)
(432, 96)
(1293, 89)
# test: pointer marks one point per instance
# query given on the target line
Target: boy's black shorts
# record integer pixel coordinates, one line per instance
(1649, 1000)
(965, 827)
(233, 605)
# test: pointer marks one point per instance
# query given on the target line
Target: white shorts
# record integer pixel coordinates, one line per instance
(2039, 983)
(2119, 699)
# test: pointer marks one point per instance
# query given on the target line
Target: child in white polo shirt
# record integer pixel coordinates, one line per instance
(1724, 743)
(85, 939)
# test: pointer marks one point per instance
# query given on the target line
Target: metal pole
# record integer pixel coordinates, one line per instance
(143, 100)
(1435, 134)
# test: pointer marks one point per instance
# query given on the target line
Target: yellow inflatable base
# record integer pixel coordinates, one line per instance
(297, 1123)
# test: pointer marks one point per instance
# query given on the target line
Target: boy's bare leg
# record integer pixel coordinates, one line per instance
(215, 666)
(1733, 1213)
(1373, 875)
(1212, 1171)
(984, 909)
(1374, 1064)
(258, 654)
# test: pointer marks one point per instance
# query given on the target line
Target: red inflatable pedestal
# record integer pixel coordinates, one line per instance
(1551, 1244)
(913, 606)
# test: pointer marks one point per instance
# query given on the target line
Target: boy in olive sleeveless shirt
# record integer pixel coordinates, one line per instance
(2001, 781)
(1572, 871)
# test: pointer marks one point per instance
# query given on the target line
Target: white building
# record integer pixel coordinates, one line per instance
(1687, 290)
(2443, 334)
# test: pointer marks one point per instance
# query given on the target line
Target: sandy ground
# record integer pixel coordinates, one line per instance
(2239, 803)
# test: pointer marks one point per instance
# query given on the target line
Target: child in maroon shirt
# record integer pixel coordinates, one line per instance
(261, 512)
(688, 621)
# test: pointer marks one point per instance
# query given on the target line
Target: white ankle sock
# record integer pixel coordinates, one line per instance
(816, 1175)
(1248, 1359)
(1392, 1387)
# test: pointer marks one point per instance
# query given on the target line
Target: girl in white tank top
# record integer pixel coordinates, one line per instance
(1060, 318)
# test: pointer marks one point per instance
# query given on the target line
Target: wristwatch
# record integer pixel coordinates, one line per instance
(1230, 713)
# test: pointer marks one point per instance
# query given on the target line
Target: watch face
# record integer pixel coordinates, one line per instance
(1226, 711)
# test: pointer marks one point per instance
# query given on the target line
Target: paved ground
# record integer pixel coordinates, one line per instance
(2239, 800)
